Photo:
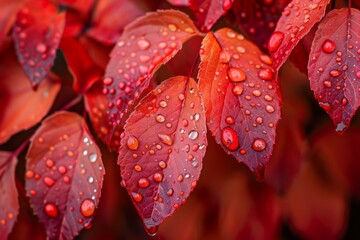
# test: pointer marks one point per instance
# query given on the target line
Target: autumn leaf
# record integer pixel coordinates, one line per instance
(145, 45)
(257, 19)
(162, 149)
(107, 12)
(85, 72)
(64, 175)
(334, 71)
(17, 98)
(82, 6)
(208, 12)
(296, 21)
(179, 2)
(241, 97)
(9, 204)
(37, 32)
(8, 12)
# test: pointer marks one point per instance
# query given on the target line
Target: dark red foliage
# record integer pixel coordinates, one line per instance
(257, 19)
(241, 95)
(8, 12)
(145, 45)
(9, 204)
(334, 70)
(37, 32)
(296, 21)
(162, 149)
(64, 175)
(208, 12)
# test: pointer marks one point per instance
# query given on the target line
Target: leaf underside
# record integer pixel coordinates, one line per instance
(64, 175)
(37, 32)
(145, 45)
(241, 97)
(162, 149)
(334, 70)
(296, 21)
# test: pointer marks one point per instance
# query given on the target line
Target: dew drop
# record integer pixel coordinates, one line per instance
(358, 74)
(328, 46)
(108, 81)
(256, 93)
(163, 104)
(172, 27)
(327, 83)
(226, 5)
(224, 57)
(29, 174)
(196, 117)
(51, 210)
(143, 44)
(49, 181)
(157, 177)
(269, 109)
(143, 182)
(275, 41)
(132, 143)
(266, 59)
(335, 73)
(151, 231)
(229, 120)
(93, 157)
(229, 138)
(193, 134)
(238, 90)
(160, 118)
(165, 138)
(259, 144)
(236, 75)
(87, 207)
(265, 74)
(90, 179)
(41, 48)
(162, 164)
(137, 168)
(137, 196)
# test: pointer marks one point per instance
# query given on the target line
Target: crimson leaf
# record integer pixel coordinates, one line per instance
(296, 21)
(162, 149)
(37, 32)
(64, 175)
(208, 12)
(257, 19)
(241, 96)
(8, 12)
(17, 99)
(146, 43)
(9, 204)
(334, 70)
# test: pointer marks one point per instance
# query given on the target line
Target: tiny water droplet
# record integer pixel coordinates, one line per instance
(238, 90)
(137, 196)
(328, 46)
(132, 143)
(229, 120)
(143, 182)
(193, 134)
(165, 138)
(157, 177)
(51, 210)
(41, 48)
(269, 109)
(151, 231)
(90, 179)
(259, 144)
(229, 138)
(236, 74)
(226, 5)
(49, 181)
(160, 118)
(108, 81)
(29, 174)
(87, 208)
(265, 74)
(224, 57)
(93, 157)
(143, 44)
(266, 59)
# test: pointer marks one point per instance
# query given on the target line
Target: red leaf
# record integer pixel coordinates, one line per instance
(64, 175)
(257, 19)
(334, 70)
(296, 21)
(37, 34)
(82, 6)
(241, 96)
(107, 12)
(208, 12)
(8, 12)
(17, 99)
(85, 72)
(9, 204)
(145, 45)
(315, 207)
(179, 2)
(162, 149)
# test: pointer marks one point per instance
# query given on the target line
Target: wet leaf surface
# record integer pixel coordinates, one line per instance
(64, 175)
(334, 70)
(162, 149)
(241, 97)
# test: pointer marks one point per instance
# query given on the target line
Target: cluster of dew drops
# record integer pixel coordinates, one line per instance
(87, 206)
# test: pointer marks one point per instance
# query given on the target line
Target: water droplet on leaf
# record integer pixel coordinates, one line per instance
(275, 41)
(229, 138)
(87, 208)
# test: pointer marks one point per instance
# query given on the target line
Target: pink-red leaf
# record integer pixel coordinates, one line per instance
(296, 21)
(20, 106)
(64, 175)
(8, 12)
(179, 2)
(9, 204)
(85, 72)
(334, 69)
(37, 32)
(208, 12)
(257, 19)
(145, 45)
(241, 96)
(82, 6)
(162, 149)
(106, 14)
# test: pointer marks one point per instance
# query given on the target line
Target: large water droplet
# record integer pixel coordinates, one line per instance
(259, 144)
(143, 182)
(143, 44)
(165, 138)
(236, 75)
(51, 210)
(132, 143)
(93, 157)
(265, 74)
(87, 208)
(328, 46)
(275, 41)
(229, 138)
(193, 134)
